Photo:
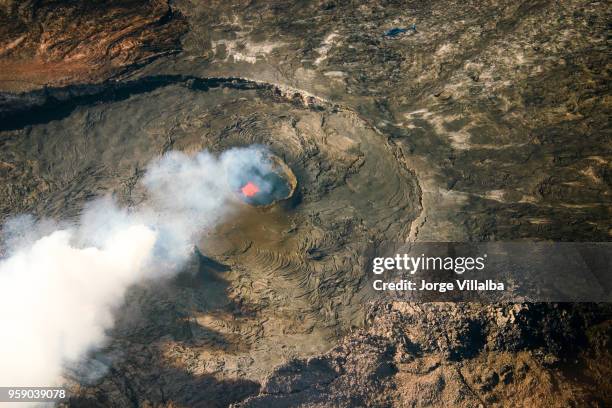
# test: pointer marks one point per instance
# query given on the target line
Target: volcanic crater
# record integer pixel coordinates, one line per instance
(280, 278)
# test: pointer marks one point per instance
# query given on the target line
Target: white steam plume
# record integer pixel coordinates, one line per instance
(58, 288)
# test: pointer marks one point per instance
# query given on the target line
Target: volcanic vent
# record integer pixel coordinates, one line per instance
(263, 182)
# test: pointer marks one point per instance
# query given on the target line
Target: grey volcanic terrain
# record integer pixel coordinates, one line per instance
(480, 121)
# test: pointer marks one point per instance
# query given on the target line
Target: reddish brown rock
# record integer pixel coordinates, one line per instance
(56, 43)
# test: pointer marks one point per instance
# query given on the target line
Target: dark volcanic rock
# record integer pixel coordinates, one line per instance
(409, 357)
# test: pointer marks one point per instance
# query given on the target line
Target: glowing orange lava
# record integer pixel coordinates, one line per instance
(250, 189)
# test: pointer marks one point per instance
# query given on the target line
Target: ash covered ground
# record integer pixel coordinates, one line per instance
(487, 121)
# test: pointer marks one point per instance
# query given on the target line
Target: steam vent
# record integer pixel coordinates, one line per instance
(264, 184)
